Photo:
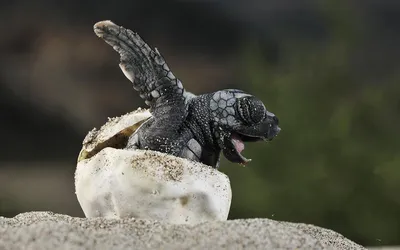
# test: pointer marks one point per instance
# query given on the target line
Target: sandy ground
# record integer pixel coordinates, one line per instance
(45, 230)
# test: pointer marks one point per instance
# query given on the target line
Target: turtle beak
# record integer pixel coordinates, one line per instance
(234, 143)
(266, 130)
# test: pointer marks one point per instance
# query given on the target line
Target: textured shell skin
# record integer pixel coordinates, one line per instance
(113, 182)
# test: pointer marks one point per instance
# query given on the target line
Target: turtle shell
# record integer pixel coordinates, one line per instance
(114, 133)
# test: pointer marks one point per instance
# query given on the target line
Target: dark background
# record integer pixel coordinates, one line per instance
(328, 69)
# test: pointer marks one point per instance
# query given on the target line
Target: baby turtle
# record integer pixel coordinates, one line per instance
(194, 127)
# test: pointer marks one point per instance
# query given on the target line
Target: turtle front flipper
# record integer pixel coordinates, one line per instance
(146, 69)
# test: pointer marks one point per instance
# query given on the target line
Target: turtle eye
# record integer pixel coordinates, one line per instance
(251, 110)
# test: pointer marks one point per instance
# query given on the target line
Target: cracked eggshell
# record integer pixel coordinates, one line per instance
(115, 133)
(113, 182)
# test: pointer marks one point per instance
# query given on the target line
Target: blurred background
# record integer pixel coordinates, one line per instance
(329, 69)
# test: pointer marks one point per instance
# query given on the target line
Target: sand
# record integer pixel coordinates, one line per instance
(46, 230)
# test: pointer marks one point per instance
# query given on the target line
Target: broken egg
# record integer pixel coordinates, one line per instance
(114, 182)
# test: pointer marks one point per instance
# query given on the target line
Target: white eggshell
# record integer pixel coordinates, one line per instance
(118, 183)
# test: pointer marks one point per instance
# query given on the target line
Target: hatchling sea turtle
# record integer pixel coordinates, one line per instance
(195, 127)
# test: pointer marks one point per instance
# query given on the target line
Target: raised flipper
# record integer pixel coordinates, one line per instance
(147, 70)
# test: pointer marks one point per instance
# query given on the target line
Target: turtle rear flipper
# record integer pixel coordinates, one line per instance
(146, 69)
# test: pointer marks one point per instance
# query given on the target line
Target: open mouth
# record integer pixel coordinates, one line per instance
(234, 141)
(238, 144)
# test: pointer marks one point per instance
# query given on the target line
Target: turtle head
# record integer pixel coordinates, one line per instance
(237, 118)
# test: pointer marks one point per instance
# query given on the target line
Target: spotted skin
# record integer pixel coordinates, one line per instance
(194, 127)
(146, 69)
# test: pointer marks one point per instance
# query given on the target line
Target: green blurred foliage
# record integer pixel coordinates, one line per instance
(336, 161)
